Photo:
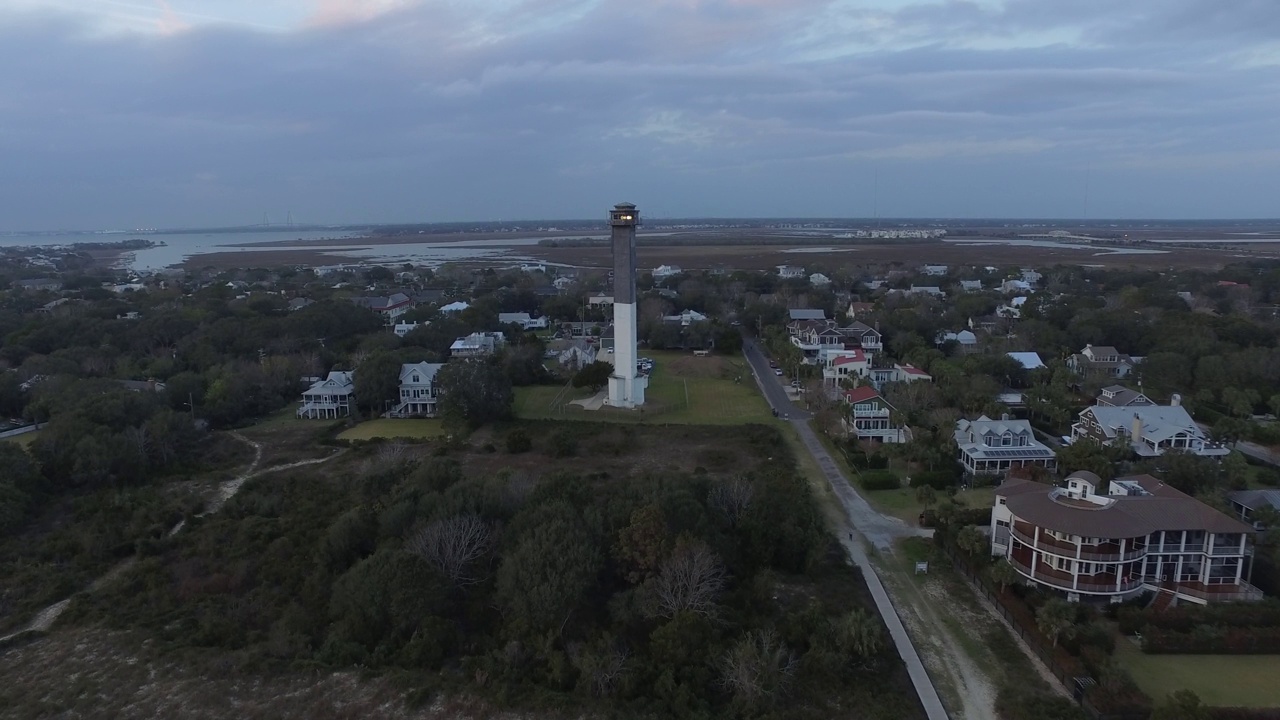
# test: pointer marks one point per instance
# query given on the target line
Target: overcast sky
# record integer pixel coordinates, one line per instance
(144, 113)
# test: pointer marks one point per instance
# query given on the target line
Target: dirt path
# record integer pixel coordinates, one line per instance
(971, 691)
(44, 619)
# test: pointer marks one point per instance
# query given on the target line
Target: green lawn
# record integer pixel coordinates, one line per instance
(683, 389)
(1219, 680)
(416, 429)
(903, 504)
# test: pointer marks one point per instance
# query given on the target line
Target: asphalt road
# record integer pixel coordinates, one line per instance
(863, 524)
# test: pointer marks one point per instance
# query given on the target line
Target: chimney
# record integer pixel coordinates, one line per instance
(1175, 400)
(1004, 416)
(1137, 427)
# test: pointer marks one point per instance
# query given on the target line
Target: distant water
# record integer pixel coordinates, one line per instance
(178, 247)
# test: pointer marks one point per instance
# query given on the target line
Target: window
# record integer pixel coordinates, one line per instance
(1000, 501)
(415, 378)
(1006, 439)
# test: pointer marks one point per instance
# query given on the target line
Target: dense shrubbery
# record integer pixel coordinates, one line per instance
(673, 595)
(879, 480)
(1240, 713)
(1185, 618)
(1212, 640)
(936, 479)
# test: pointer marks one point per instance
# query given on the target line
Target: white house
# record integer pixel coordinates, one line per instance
(871, 417)
(932, 290)
(1013, 308)
(971, 285)
(988, 447)
(523, 320)
(389, 308)
(685, 319)
(897, 373)
(402, 329)
(662, 272)
(418, 391)
(935, 270)
(330, 398)
(600, 300)
(563, 282)
(1016, 286)
(477, 344)
(455, 307)
(967, 341)
(1149, 430)
(819, 280)
(790, 271)
(840, 365)
(1028, 360)
(578, 354)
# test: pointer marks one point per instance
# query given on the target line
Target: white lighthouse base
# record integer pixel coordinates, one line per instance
(627, 392)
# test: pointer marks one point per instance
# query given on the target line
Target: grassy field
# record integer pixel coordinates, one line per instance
(416, 429)
(1219, 680)
(683, 389)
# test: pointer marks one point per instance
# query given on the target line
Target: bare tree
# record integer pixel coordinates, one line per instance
(138, 441)
(689, 580)
(452, 546)
(731, 498)
(758, 667)
(602, 665)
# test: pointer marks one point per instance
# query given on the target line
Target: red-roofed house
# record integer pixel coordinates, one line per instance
(871, 416)
(839, 365)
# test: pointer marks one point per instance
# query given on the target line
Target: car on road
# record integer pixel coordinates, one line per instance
(777, 371)
(773, 364)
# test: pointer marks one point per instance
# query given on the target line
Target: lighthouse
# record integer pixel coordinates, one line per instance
(626, 387)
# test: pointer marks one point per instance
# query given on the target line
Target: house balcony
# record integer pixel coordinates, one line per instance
(1229, 591)
(871, 345)
(1102, 583)
(880, 413)
(1106, 552)
(806, 346)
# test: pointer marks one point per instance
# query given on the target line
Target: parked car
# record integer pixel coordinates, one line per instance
(777, 371)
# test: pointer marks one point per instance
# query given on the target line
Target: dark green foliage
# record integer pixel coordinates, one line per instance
(307, 567)
(377, 381)
(594, 376)
(385, 605)
(549, 570)
(879, 480)
(564, 444)
(937, 479)
(474, 393)
(518, 441)
(1211, 640)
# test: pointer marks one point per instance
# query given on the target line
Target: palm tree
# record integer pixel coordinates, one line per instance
(1057, 620)
(1003, 574)
(971, 540)
(926, 495)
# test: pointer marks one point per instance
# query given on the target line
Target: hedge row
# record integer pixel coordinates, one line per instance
(1212, 641)
(937, 479)
(1185, 618)
(1241, 713)
(879, 480)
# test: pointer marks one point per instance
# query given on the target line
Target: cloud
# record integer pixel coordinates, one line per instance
(399, 110)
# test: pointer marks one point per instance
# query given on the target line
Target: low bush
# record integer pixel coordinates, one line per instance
(1243, 713)
(518, 441)
(879, 480)
(1185, 618)
(564, 444)
(1211, 640)
(936, 479)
